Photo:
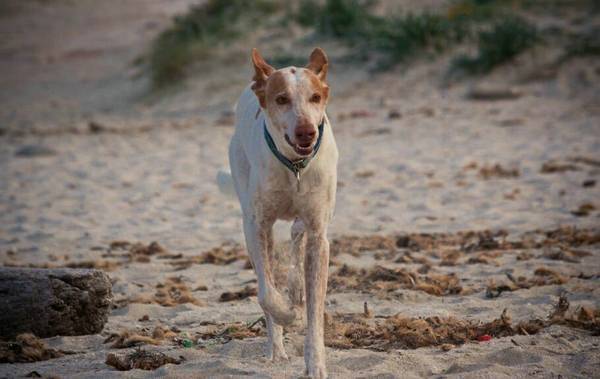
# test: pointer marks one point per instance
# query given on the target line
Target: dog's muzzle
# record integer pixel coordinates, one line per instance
(302, 149)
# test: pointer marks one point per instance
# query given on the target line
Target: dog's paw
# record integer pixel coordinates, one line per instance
(316, 371)
(278, 355)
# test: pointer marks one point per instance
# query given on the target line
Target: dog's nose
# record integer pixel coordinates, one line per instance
(305, 134)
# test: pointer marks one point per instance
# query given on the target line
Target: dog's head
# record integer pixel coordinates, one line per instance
(294, 99)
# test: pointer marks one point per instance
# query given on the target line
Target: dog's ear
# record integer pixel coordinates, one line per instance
(318, 63)
(262, 71)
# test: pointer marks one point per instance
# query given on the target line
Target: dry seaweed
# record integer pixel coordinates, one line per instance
(140, 359)
(541, 277)
(223, 333)
(482, 258)
(383, 280)
(130, 338)
(400, 332)
(98, 264)
(26, 348)
(571, 236)
(560, 254)
(584, 210)
(554, 166)
(497, 171)
(238, 295)
(169, 294)
(355, 245)
(586, 160)
(137, 251)
(222, 255)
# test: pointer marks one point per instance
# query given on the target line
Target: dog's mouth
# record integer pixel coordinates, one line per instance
(300, 149)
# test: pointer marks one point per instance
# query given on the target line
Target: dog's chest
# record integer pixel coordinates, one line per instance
(285, 197)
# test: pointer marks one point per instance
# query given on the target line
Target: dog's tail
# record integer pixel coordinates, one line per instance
(225, 183)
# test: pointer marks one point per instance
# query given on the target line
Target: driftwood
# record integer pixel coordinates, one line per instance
(50, 302)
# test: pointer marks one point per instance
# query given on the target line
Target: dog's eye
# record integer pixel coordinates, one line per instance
(316, 98)
(282, 100)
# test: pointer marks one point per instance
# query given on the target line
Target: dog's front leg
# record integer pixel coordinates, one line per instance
(316, 270)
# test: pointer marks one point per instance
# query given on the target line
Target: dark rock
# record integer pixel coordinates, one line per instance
(31, 151)
(50, 302)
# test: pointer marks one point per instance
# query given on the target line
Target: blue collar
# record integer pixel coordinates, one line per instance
(294, 166)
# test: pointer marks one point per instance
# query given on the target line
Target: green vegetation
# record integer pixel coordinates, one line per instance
(492, 25)
(587, 43)
(400, 37)
(206, 25)
(506, 39)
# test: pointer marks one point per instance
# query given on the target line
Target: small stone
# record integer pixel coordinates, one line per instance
(95, 127)
(588, 183)
(492, 93)
(31, 151)
(394, 114)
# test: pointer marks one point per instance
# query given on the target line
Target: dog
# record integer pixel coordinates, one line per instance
(283, 160)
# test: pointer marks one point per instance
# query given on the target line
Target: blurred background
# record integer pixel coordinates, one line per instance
(450, 115)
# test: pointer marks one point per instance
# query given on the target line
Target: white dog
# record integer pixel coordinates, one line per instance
(283, 161)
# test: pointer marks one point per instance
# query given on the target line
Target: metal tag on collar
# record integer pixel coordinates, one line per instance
(298, 179)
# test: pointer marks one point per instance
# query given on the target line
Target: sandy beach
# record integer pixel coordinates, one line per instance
(456, 201)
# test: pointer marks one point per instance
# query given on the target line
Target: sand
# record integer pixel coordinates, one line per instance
(444, 162)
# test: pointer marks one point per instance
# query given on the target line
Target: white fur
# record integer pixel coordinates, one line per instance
(268, 191)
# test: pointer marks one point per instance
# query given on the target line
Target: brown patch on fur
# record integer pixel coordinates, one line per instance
(318, 63)
(140, 359)
(318, 85)
(262, 71)
(26, 348)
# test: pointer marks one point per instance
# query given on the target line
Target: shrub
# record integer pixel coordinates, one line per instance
(190, 35)
(506, 39)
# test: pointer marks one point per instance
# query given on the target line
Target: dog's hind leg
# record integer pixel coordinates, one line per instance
(296, 270)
